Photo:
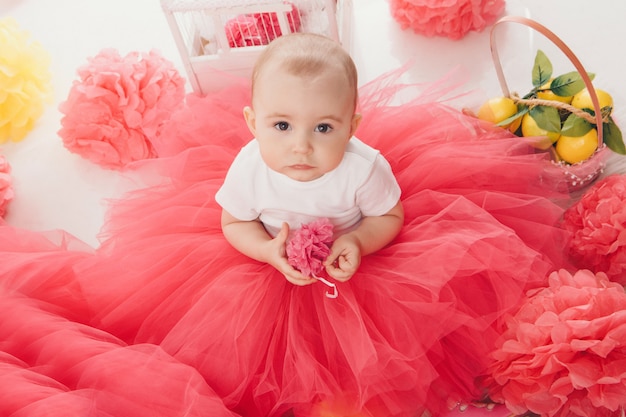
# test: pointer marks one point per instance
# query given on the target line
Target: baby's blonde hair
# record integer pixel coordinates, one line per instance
(307, 54)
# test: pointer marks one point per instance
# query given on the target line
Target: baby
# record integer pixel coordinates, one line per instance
(305, 163)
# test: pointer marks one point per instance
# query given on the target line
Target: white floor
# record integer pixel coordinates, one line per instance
(57, 189)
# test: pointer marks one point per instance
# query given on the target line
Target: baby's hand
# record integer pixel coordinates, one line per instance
(344, 258)
(277, 257)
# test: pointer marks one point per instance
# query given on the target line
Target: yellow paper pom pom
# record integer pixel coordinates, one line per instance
(25, 81)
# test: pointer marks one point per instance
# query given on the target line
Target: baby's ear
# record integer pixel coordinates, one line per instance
(250, 117)
(354, 124)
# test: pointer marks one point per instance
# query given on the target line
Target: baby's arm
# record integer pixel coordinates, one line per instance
(371, 235)
(251, 239)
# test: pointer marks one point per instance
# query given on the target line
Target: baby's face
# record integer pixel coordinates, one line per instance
(302, 124)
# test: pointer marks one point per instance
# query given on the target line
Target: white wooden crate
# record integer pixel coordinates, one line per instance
(218, 38)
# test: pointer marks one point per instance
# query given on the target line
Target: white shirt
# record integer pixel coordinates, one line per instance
(362, 185)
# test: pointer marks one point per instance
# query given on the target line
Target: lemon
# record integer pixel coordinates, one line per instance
(545, 93)
(573, 149)
(542, 138)
(582, 99)
(497, 109)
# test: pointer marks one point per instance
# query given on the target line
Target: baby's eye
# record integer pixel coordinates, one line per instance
(282, 126)
(323, 128)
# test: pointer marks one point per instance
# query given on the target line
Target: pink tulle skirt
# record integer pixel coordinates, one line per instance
(166, 315)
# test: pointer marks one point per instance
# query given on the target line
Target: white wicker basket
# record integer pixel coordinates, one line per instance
(215, 38)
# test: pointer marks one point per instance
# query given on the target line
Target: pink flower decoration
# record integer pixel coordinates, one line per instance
(119, 105)
(451, 18)
(268, 22)
(309, 246)
(598, 226)
(564, 352)
(244, 31)
(259, 28)
(6, 188)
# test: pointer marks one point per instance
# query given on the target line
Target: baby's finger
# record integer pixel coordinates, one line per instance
(283, 234)
(337, 273)
(333, 256)
(293, 275)
(300, 280)
(342, 269)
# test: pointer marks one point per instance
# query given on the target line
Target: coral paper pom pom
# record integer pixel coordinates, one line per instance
(268, 22)
(244, 31)
(597, 223)
(6, 188)
(259, 28)
(309, 246)
(451, 18)
(564, 352)
(119, 105)
(25, 81)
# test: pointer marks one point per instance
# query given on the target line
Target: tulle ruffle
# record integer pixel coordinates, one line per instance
(411, 331)
(53, 362)
(55, 367)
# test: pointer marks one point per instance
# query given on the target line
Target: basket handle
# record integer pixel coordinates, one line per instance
(563, 47)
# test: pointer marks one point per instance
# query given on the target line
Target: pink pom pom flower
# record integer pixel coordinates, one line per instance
(118, 106)
(244, 31)
(259, 28)
(268, 22)
(450, 18)
(6, 187)
(563, 354)
(309, 246)
(597, 223)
